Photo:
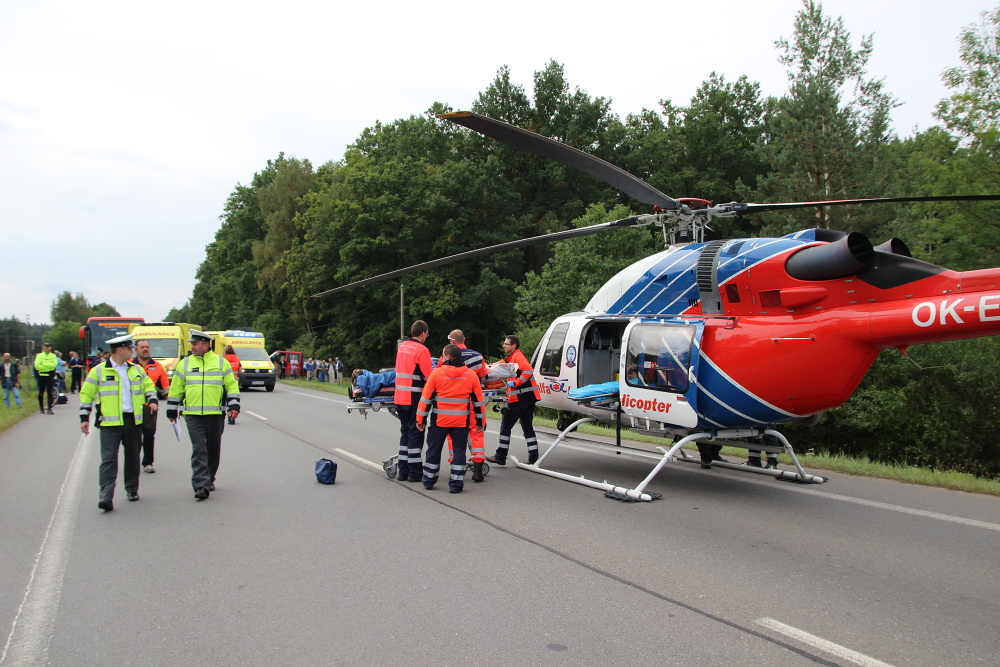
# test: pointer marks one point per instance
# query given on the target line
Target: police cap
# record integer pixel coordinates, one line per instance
(199, 335)
(121, 341)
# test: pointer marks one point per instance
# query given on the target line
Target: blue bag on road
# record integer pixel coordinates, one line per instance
(326, 471)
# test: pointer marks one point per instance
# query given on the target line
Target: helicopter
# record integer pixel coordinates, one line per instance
(720, 342)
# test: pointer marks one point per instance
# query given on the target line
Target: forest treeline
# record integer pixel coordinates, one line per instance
(420, 188)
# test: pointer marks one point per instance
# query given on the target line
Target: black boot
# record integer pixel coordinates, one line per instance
(477, 471)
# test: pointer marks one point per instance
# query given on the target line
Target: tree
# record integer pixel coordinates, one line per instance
(69, 308)
(973, 110)
(819, 145)
(65, 336)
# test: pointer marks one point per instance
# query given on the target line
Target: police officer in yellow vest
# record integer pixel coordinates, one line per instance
(45, 373)
(123, 388)
(202, 382)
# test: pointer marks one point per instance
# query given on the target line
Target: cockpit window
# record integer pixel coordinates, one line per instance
(552, 357)
(659, 356)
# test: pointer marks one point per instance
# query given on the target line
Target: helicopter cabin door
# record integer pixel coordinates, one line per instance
(658, 371)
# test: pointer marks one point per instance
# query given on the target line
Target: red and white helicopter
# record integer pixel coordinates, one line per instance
(719, 342)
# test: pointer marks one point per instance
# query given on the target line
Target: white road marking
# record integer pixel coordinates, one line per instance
(313, 395)
(34, 621)
(254, 414)
(822, 644)
(355, 457)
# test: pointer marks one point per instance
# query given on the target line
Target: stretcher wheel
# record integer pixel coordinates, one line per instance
(486, 468)
(390, 467)
(496, 408)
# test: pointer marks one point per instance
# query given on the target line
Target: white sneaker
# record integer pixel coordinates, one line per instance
(149, 469)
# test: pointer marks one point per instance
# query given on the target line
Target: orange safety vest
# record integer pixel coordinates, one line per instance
(413, 365)
(452, 391)
(524, 383)
(154, 369)
(234, 361)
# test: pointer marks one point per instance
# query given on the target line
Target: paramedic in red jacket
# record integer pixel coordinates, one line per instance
(522, 394)
(453, 391)
(477, 440)
(413, 365)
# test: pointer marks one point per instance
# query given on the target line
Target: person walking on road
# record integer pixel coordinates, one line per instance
(154, 369)
(234, 362)
(123, 388)
(202, 381)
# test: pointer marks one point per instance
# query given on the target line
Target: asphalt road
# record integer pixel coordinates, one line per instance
(726, 568)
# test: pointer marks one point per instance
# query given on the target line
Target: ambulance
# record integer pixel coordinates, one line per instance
(256, 368)
(168, 341)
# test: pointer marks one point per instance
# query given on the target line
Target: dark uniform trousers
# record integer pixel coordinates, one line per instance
(206, 447)
(522, 411)
(129, 437)
(148, 435)
(436, 436)
(411, 443)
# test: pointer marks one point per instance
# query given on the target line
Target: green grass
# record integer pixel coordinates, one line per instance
(29, 406)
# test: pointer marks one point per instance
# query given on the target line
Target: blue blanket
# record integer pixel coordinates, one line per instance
(370, 383)
(594, 391)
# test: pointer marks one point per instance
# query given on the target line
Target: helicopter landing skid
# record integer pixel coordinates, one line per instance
(676, 452)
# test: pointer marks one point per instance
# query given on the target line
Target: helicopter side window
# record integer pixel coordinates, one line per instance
(552, 357)
(659, 356)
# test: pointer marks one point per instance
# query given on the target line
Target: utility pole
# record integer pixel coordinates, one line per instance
(401, 310)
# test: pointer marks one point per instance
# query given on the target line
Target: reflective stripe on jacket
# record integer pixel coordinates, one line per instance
(413, 365)
(473, 361)
(524, 383)
(200, 383)
(104, 381)
(456, 396)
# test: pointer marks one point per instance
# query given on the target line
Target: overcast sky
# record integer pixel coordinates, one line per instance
(124, 126)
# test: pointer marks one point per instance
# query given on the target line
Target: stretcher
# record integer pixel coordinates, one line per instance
(379, 397)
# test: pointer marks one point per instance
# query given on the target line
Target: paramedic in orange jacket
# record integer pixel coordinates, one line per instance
(453, 391)
(413, 365)
(230, 354)
(154, 369)
(477, 440)
(522, 394)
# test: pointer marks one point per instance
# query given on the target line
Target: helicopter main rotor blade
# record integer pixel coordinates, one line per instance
(532, 142)
(750, 209)
(510, 245)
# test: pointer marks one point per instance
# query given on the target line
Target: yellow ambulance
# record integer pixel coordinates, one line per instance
(256, 368)
(168, 341)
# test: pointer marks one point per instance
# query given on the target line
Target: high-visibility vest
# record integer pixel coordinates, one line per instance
(200, 383)
(456, 396)
(104, 381)
(524, 382)
(45, 363)
(413, 365)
